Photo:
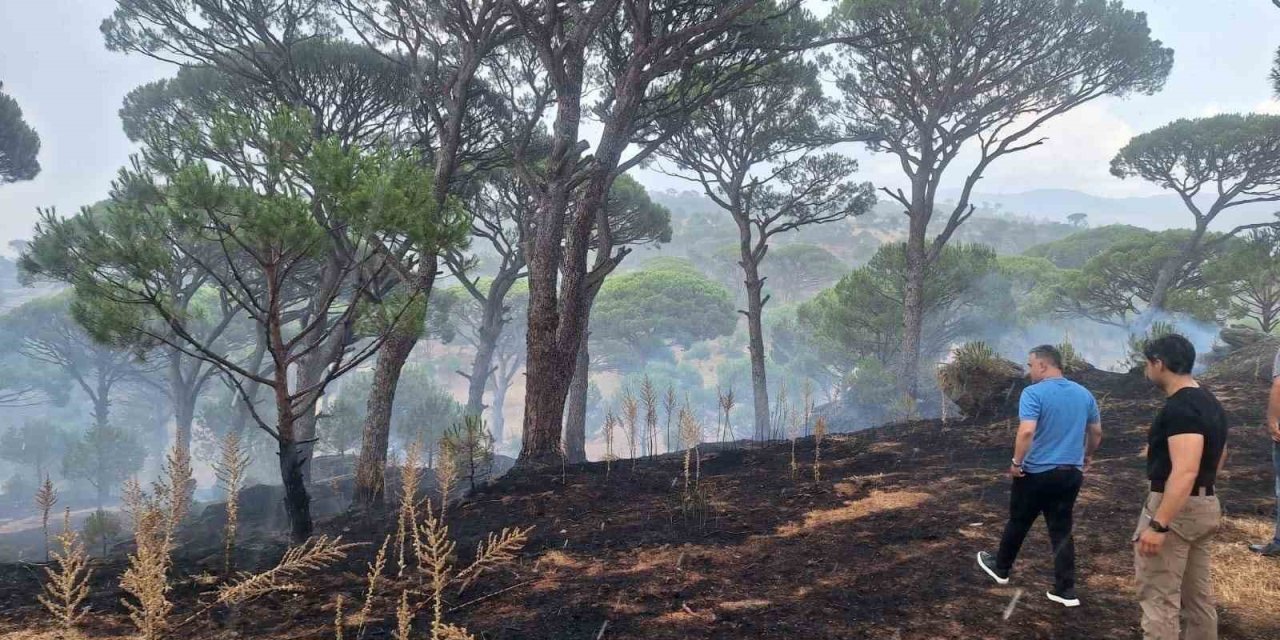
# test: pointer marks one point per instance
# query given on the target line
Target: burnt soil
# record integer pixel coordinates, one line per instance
(881, 547)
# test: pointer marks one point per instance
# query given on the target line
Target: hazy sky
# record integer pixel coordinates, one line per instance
(70, 87)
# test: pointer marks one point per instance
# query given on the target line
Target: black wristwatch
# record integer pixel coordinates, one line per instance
(1159, 528)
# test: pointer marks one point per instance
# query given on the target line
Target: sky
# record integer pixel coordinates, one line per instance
(53, 62)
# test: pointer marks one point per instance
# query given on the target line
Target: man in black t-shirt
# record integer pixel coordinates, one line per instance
(1185, 449)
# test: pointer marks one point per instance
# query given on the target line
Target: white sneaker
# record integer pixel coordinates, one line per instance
(1067, 600)
(988, 564)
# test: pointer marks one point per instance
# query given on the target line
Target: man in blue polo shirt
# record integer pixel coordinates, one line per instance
(1058, 432)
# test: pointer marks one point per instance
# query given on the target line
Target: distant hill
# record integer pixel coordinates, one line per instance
(701, 227)
(1152, 212)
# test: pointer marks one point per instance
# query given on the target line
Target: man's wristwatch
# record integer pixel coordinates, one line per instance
(1159, 528)
(1015, 462)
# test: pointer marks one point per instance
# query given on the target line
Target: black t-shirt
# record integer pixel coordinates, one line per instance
(1188, 410)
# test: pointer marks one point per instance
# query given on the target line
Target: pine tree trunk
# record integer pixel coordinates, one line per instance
(913, 310)
(372, 462)
(184, 411)
(482, 364)
(297, 502)
(1164, 280)
(497, 421)
(575, 425)
(759, 381)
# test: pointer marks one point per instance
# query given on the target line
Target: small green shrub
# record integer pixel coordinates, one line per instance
(1072, 361)
(1138, 343)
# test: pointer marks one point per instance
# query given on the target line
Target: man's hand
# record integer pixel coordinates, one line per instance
(1274, 429)
(1088, 463)
(1016, 472)
(1150, 542)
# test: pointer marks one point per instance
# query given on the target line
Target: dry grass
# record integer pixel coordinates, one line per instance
(630, 416)
(406, 531)
(1244, 582)
(610, 421)
(46, 498)
(155, 522)
(313, 555)
(68, 586)
(229, 471)
(726, 408)
(877, 502)
(649, 396)
(819, 434)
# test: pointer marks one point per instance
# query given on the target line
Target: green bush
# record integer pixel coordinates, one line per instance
(1072, 362)
(1138, 343)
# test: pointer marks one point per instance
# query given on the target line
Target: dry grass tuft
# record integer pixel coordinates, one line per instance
(375, 572)
(819, 434)
(155, 523)
(46, 498)
(68, 586)
(406, 530)
(1244, 582)
(313, 555)
(726, 405)
(230, 469)
(649, 395)
(630, 416)
(404, 617)
(877, 502)
(338, 621)
(610, 422)
(146, 577)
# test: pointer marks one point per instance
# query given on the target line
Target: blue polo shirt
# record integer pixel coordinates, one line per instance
(1062, 409)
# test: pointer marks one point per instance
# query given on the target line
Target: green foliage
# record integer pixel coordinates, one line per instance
(1249, 270)
(1072, 361)
(422, 410)
(685, 379)
(102, 528)
(1138, 343)
(471, 446)
(341, 426)
(1033, 283)
(1228, 149)
(37, 443)
(104, 457)
(640, 313)
(798, 271)
(1117, 284)
(861, 316)
(19, 143)
(1073, 251)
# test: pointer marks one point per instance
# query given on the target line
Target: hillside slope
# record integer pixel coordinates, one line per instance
(881, 547)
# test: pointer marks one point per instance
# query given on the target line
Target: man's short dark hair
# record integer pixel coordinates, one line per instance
(1176, 352)
(1048, 352)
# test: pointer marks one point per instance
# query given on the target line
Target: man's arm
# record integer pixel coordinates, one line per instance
(1185, 450)
(1022, 446)
(1092, 440)
(1273, 409)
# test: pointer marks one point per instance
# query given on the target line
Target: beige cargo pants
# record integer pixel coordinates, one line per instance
(1176, 584)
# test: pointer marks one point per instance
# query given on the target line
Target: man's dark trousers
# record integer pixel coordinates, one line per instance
(1052, 493)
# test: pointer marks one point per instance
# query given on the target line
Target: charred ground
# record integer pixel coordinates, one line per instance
(881, 547)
